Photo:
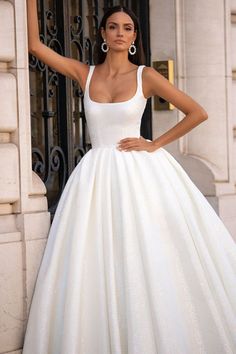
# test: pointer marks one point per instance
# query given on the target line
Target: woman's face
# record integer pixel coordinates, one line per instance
(119, 32)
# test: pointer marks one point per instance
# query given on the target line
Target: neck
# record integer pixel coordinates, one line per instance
(117, 63)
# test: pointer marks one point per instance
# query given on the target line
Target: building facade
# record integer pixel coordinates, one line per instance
(198, 36)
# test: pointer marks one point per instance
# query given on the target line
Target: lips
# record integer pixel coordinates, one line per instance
(119, 41)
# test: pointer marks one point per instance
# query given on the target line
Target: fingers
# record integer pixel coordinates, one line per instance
(127, 140)
(128, 147)
(133, 138)
(128, 144)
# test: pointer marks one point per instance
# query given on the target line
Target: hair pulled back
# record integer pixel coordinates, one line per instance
(138, 58)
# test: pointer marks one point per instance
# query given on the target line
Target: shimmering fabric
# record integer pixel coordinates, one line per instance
(137, 261)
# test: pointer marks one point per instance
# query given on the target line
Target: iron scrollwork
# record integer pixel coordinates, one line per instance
(59, 131)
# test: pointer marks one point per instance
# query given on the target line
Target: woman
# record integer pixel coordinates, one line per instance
(137, 261)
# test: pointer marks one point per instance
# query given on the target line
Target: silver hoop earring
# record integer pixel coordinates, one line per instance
(104, 46)
(132, 49)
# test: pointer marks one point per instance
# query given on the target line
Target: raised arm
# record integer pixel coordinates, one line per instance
(72, 68)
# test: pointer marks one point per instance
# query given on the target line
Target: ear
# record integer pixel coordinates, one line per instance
(135, 36)
(102, 32)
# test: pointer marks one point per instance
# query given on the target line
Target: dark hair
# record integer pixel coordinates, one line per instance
(138, 58)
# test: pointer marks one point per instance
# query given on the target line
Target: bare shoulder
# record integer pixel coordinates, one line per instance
(156, 84)
(149, 73)
(148, 70)
(150, 78)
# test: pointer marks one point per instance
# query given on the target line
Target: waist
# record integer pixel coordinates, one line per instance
(104, 146)
(111, 140)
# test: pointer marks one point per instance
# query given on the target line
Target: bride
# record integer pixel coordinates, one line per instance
(137, 261)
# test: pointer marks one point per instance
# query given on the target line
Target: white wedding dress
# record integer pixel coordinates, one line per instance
(137, 261)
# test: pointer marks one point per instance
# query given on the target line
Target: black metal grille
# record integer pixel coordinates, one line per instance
(59, 133)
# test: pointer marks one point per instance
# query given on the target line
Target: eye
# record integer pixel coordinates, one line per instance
(111, 27)
(128, 29)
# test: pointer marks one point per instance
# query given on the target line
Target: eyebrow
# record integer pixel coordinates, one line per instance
(117, 23)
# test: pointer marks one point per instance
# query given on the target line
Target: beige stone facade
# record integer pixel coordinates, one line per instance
(24, 219)
(200, 37)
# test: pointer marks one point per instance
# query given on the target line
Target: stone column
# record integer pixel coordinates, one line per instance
(24, 219)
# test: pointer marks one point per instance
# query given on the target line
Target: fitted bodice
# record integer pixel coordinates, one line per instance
(110, 122)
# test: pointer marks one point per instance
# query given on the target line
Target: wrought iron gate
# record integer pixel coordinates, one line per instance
(59, 132)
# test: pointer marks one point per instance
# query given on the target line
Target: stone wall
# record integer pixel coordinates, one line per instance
(24, 220)
(232, 78)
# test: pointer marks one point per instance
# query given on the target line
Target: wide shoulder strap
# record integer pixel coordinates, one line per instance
(140, 83)
(90, 73)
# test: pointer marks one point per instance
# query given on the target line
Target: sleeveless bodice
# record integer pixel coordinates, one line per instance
(110, 122)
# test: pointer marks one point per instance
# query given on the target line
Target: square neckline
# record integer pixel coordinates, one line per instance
(92, 67)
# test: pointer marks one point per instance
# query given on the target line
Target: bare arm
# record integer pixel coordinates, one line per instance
(72, 68)
(156, 84)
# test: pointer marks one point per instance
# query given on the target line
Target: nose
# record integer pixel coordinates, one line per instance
(120, 32)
